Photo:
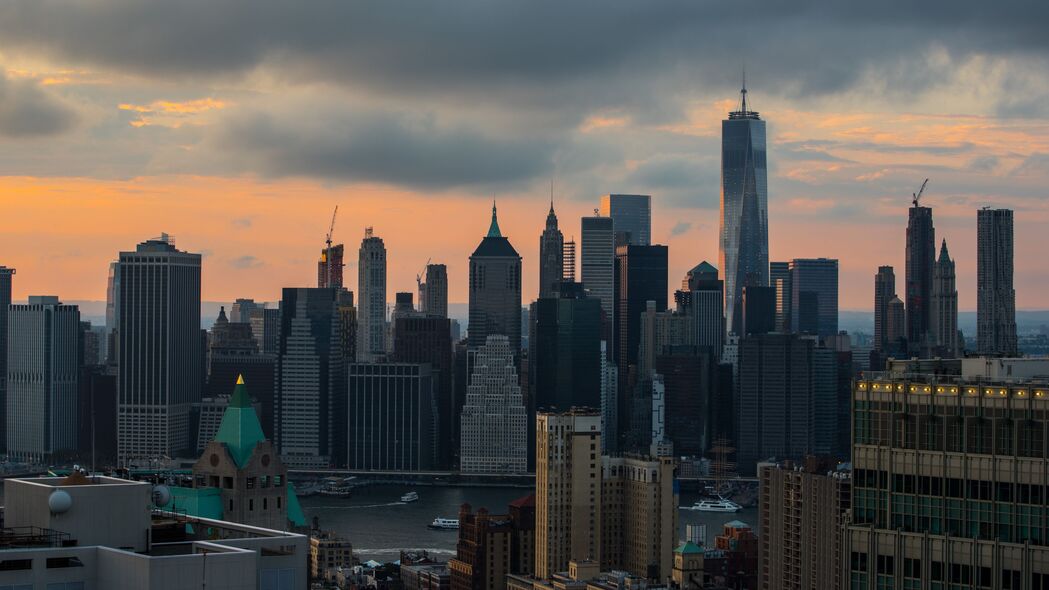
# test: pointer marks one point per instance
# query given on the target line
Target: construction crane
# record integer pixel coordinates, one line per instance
(421, 287)
(327, 252)
(918, 194)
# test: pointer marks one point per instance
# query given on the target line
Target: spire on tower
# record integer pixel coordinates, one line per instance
(493, 230)
(743, 112)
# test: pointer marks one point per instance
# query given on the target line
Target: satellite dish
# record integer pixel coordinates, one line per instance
(161, 495)
(59, 501)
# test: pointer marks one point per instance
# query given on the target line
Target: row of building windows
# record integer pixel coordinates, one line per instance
(956, 434)
(943, 576)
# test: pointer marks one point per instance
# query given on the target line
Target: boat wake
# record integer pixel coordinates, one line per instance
(430, 550)
(352, 506)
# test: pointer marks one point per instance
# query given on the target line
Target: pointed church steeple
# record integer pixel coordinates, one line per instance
(944, 257)
(493, 230)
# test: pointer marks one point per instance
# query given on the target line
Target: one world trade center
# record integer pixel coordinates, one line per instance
(744, 246)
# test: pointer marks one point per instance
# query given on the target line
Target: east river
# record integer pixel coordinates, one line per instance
(379, 525)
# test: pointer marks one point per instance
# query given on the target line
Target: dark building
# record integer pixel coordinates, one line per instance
(97, 416)
(428, 340)
(759, 310)
(921, 256)
(329, 267)
(391, 417)
(995, 297)
(6, 275)
(597, 268)
(779, 279)
(814, 296)
(631, 216)
(309, 382)
(233, 351)
(491, 546)
(551, 256)
(884, 292)
(564, 357)
(690, 381)
(433, 294)
(704, 293)
(495, 290)
(264, 327)
(240, 311)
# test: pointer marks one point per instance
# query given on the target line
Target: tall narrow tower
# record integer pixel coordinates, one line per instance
(996, 299)
(551, 256)
(371, 294)
(884, 291)
(744, 245)
(944, 306)
(921, 256)
(495, 290)
(5, 300)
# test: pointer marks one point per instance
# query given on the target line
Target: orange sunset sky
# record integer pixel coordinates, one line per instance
(237, 127)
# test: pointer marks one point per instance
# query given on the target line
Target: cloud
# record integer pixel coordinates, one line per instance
(170, 113)
(27, 111)
(244, 262)
(1034, 165)
(680, 228)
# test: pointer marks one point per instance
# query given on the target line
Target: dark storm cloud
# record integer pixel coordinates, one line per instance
(369, 145)
(27, 111)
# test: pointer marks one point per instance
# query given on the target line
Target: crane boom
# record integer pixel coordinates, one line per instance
(918, 194)
(327, 252)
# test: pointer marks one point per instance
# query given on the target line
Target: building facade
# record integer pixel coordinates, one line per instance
(814, 296)
(995, 296)
(371, 299)
(564, 360)
(330, 265)
(945, 342)
(884, 292)
(551, 256)
(631, 218)
(491, 546)
(639, 515)
(433, 298)
(779, 279)
(921, 258)
(597, 268)
(494, 420)
(391, 417)
(6, 276)
(495, 290)
(427, 339)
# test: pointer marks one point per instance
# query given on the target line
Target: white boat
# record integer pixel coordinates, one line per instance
(335, 487)
(718, 504)
(410, 497)
(304, 490)
(445, 524)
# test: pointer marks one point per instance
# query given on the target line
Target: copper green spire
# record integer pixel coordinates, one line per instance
(240, 430)
(493, 230)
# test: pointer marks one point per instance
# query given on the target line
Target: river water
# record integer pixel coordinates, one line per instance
(379, 525)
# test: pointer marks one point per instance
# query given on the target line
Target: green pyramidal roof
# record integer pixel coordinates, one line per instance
(240, 430)
(688, 547)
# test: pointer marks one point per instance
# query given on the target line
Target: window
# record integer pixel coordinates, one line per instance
(54, 562)
(9, 565)
(251, 504)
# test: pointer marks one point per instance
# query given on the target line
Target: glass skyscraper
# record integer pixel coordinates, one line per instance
(744, 245)
(632, 216)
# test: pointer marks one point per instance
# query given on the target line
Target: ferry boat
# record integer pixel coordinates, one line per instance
(335, 487)
(718, 504)
(445, 524)
(410, 497)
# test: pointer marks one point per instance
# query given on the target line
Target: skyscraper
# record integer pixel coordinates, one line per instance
(371, 299)
(597, 268)
(6, 275)
(896, 323)
(744, 245)
(884, 291)
(568, 259)
(233, 353)
(921, 257)
(433, 296)
(944, 305)
(564, 350)
(495, 290)
(706, 305)
(428, 339)
(329, 267)
(310, 380)
(42, 379)
(631, 216)
(814, 297)
(390, 418)
(996, 299)
(551, 256)
(641, 276)
(759, 310)
(240, 312)
(159, 375)
(494, 420)
(779, 279)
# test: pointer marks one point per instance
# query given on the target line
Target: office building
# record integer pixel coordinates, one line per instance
(691, 381)
(391, 417)
(995, 297)
(944, 303)
(241, 310)
(609, 402)
(884, 292)
(97, 416)
(744, 245)
(42, 367)
(896, 328)
(310, 380)
(660, 332)
(425, 575)
(101, 532)
(631, 218)
(433, 294)
(802, 509)
(329, 267)
(329, 552)
(491, 546)
(814, 296)
(264, 323)
(6, 276)
(160, 371)
(734, 561)
(597, 268)
(951, 491)
(112, 294)
(495, 290)
(779, 279)
(759, 310)
(641, 276)
(371, 299)
(921, 258)
(494, 420)
(347, 324)
(551, 256)
(428, 340)
(564, 359)
(639, 514)
(568, 257)
(706, 304)
(567, 490)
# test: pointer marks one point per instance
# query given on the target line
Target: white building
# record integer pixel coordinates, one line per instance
(371, 299)
(493, 433)
(42, 365)
(102, 533)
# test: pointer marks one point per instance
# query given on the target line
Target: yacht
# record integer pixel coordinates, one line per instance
(445, 524)
(718, 504)
(410, 497)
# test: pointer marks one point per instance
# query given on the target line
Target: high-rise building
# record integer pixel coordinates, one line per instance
(6, 274)
(802, 510)
(495, 290)
(159, 377)
(347, 324)
(240, 312)
(884, 291)
(641, 276)
(233, 352)
(609, 401)
(310, 379)
(759, 310)
(690, 381)
(551, 256)
(966, 508)
(818, 277)
(944, 304)
(564, 350)
(639, 514)
(597, 268)
(568, 259)
(371, 299)
(995, 297)
(433, 294)
(896, 323)
(568, 490)
(921, 258)
(494, 420)
(779, 279)
(42, 368)
(493, 545)
(631, 217)
(427, 339)
(264, 326)
(329, 267)
(391, 417)
(744, 245)
(706, 304)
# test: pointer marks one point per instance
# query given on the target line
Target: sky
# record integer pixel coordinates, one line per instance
(237, 126)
